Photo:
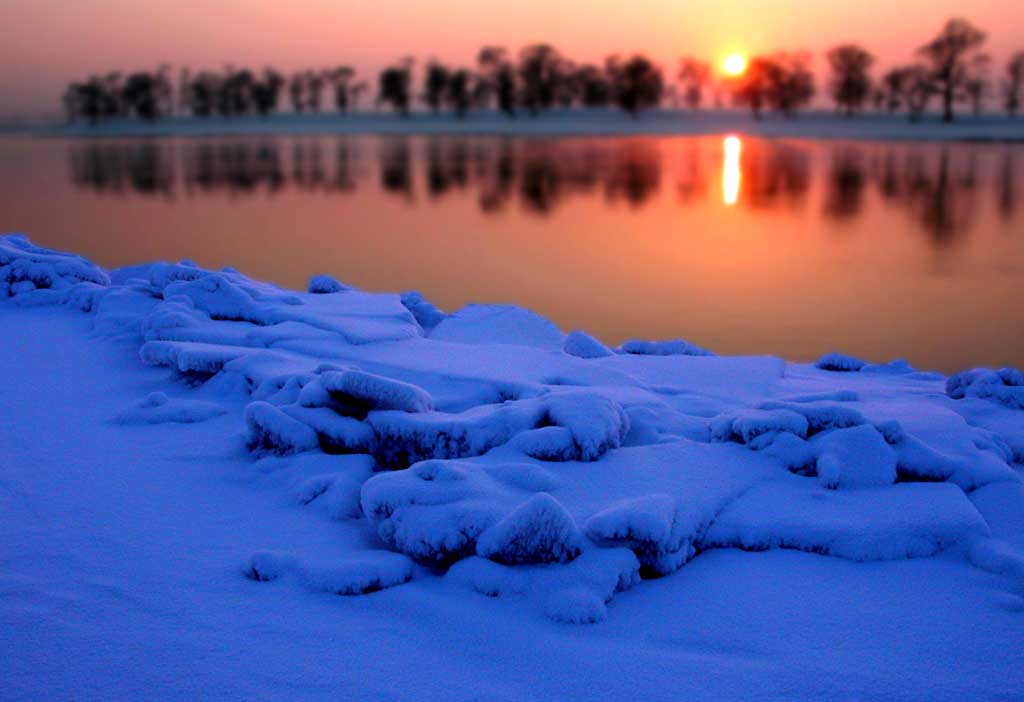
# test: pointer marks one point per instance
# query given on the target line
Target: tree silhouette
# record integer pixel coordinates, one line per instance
(459, 92)
(694, 75)
(976, 83)
(267, 92)
(497, 79)
(435, 85)
(850, 85)
(637, 84)
(949, 54)
(540, 72)
(790, 81)
(1013, 87)
(394, 87)
(754, 86)
(595, 90)
(341, 78)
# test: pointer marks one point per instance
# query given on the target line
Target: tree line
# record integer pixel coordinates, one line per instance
(951, 70)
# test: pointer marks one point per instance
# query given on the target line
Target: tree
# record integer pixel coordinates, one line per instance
(637, 84)
(891, 92)
(267, 92)
(497, 79)
(694, 76)
(753, 87)
(850, 85)
(539, 74)
(459, 92)
(595, 89)
(1014, 85)
(341, 78)
(394, 86)
(976, 83)
(949, 54)
(790, 81)
(435, 85)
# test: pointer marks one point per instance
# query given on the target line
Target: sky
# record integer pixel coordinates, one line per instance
(50, 42)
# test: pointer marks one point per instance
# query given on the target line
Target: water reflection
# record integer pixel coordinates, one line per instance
(936, 187)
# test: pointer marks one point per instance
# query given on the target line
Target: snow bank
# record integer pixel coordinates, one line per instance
(325, 285)
(507, 436)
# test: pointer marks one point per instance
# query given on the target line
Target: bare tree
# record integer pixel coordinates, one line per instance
(851, 83)
(1013, 87)
(949, 54)
(498, 79)
(694, 75)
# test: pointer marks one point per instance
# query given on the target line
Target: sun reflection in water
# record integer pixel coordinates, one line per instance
(731, 174)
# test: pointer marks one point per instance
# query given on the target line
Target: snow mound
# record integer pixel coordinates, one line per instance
(877, 523)
(745, 425)
(325, 285)
(649, 526)
(361, 574)
(1004, 386)
(840, 363)
(375, 392)
(157, 408)
(673, 347)
(583, 345)
(854, 457)
(270, 429)
(537, 531)
(592, 425)
(572, 593)
(498, 324)
(35, 276)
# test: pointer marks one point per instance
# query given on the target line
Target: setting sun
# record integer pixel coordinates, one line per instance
(734, 64)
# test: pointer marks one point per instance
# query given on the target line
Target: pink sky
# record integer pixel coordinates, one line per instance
(48, 42)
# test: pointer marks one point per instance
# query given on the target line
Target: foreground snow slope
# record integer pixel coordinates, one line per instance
(575, 122)
(183, 528)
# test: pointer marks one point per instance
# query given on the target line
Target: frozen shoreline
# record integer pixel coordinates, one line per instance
(198, 465)
(571, 123)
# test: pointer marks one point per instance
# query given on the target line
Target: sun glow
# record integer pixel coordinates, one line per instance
(734, 64)
(732, 176)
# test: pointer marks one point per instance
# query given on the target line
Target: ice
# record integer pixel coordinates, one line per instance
(537, 531)
(674, 347)
(854, 457)
(582, 345)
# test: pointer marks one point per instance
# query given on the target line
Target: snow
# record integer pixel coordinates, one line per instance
(198, 464)
(583, 345)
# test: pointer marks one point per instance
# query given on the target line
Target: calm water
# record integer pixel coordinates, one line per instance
(743, 245)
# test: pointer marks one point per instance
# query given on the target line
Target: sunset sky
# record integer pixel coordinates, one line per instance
(48, 42)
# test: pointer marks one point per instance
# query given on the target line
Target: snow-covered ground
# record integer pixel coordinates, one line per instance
(213, 488)
(575, 122)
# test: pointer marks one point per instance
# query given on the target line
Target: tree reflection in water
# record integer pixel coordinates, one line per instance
(937, 185)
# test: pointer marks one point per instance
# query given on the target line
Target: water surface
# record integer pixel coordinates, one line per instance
(742, 245)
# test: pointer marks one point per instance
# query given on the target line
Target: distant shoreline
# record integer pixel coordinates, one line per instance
(566, 123)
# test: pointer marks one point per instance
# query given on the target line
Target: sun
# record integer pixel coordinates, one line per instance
(734, 64)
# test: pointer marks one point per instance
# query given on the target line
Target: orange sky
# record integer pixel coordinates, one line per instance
(47, 42)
